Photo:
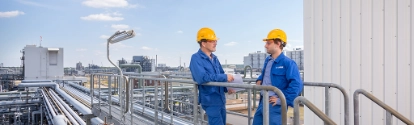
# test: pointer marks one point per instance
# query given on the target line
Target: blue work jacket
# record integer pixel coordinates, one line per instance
(285, 76)
(204, 70)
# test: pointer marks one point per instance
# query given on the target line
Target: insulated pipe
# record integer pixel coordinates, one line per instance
(33, 116)
(251, 71)
(69, 112)
(48, 106)
(22, 92)
(79, 106)
(96, 121)
(132, 66)
(35, 81)
(8, 98)
(68, 115)
(3, 103)
(59, 120)
(41, 84)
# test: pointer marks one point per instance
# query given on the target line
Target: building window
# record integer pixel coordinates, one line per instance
(53, 57)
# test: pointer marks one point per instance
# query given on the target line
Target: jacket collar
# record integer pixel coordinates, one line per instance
(278, 59)
(203, 55)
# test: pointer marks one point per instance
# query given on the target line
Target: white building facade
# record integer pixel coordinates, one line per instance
(360, 44)
(43, 63)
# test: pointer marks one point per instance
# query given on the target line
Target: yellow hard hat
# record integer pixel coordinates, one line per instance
(276, 33)
(206, 33)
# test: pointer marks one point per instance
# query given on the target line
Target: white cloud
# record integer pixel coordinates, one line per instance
(146, 48)
(110, 3)
(11, 13)
(119, 27)
(179, 31)
(36, 4)
(104, 36)
(136, 6)
(117, 14)
(103, 17)
(81, 49)
(230, 44)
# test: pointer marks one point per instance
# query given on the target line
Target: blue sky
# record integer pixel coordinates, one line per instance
(166, 28)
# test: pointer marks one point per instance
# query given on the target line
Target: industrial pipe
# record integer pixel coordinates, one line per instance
(68, 111)
(59, 120)
(80, 107)
(41, 84)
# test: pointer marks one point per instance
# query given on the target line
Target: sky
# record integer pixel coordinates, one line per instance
(166, 28)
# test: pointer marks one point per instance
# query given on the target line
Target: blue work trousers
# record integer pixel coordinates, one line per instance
(275, 117)
(216, 114)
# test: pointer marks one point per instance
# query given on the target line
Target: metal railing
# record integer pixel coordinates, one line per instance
(196, 107)
(328, 100)
(389, 111)
(313, 108)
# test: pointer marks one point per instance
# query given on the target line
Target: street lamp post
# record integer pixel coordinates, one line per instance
(118, 37)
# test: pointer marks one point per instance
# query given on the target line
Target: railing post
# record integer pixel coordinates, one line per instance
(265, 108)
(110, 97)
(91, 88)
(99, 93)
(131, 100)
(156, 102)
(356, 108)
(340, 88)
(327, 102)
(254, 99)
(388, 118)
(312, 107)
(249, 106)
(195, 104)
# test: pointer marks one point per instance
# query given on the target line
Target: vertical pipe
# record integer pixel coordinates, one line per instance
(99, 93)
(388, 120)
(162, 93)
(249, 106)
(296, 112)
(356, 109)
(254, 99)
(265, 108)
(91, 89)
(172, 104)
(110, 96)
(166, 107)
(28, 115)
(143, 95)
(327, 102)
(131, 100)
(128, 89)
(195, 104)
(156, 102)
(41, 114)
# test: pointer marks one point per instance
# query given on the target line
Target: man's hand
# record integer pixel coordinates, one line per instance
(230, 78)
(259, 82)
(273, 99)
(230, 91)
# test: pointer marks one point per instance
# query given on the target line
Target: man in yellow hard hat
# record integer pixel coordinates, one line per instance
(205, 67)
(278, 71)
